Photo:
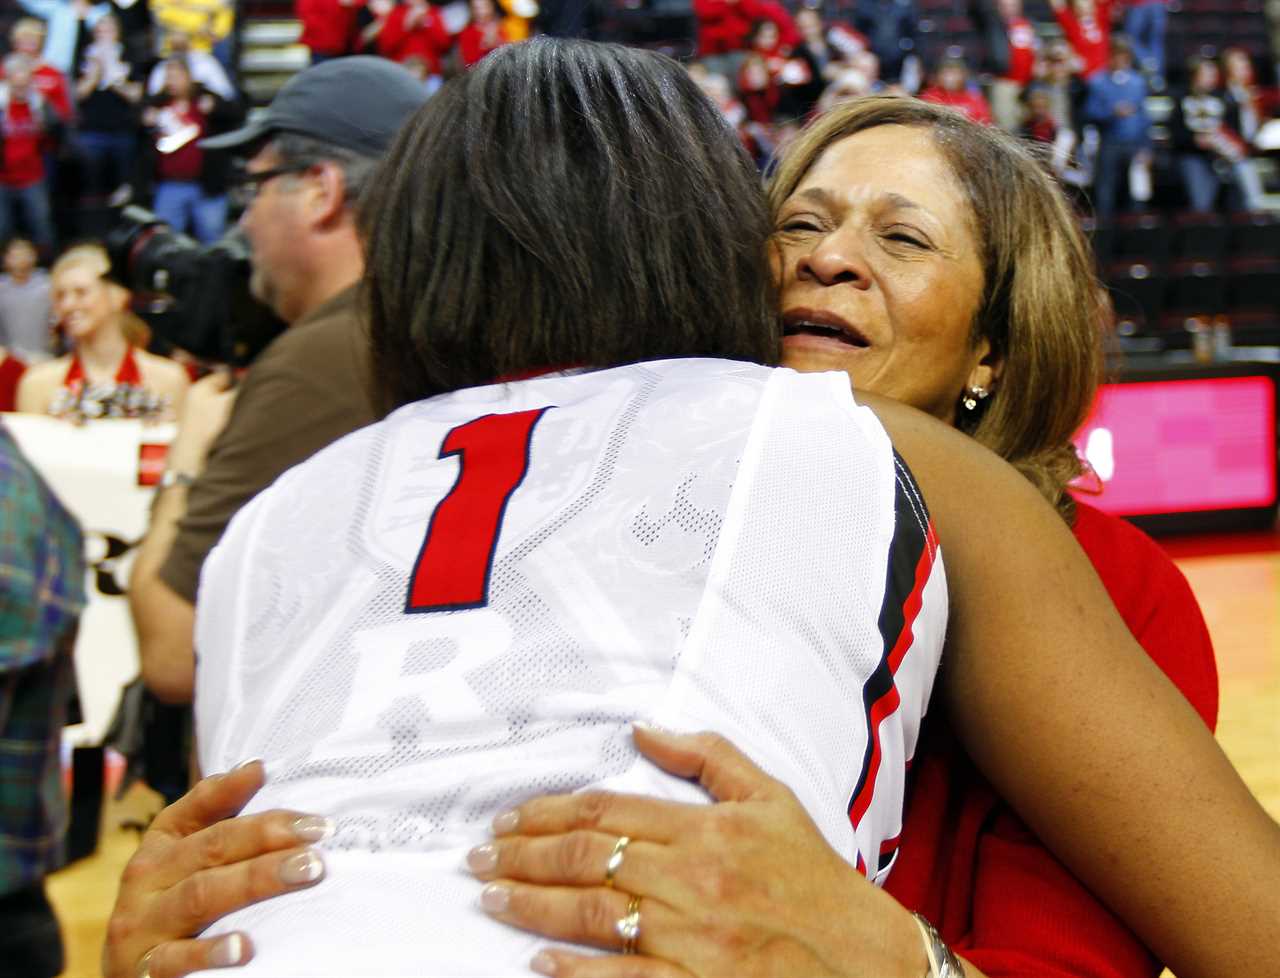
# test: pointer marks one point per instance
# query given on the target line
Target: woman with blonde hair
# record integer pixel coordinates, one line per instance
(107, 374)
(989, 317)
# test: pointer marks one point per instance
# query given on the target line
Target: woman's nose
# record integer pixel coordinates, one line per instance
(835, 260)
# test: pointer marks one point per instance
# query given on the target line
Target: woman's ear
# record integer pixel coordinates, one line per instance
(985, 374)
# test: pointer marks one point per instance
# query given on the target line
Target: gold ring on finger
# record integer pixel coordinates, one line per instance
(628, 927)
(615, 859)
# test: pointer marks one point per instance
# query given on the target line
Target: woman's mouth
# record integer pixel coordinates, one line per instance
(822, 326)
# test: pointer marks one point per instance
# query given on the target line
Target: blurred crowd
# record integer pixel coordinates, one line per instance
(105, 104)
(1080, 86)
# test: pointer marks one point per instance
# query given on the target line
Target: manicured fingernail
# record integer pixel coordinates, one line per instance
(653, 731)
(495, 898)
(505, 822)
(244, 764)
(483, 859)
(304, 867)
(313, 828)
(543, 963)
(227, 952)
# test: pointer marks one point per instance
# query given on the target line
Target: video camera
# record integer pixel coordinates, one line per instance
(194, 296)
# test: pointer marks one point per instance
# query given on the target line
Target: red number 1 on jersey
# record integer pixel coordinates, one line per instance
(452, 570)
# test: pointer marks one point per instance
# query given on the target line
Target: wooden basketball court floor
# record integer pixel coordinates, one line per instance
(1240, 595)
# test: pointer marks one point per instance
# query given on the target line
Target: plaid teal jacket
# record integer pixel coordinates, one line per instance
(41, 596)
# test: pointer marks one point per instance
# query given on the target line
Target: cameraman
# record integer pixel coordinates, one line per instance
(311, 153)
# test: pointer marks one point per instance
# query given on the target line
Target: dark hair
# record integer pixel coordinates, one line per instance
(563, 203)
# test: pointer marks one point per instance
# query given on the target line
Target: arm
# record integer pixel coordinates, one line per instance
(163, 618)
(1119, 777)
(35, 389)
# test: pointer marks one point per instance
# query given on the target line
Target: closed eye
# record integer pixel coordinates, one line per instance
(908, 239)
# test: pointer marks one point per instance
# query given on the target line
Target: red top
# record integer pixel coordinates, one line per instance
(969, 864)
(52, 85)
(723, 25)
(1022, 51)
(428, 39)
(327, 25)
(1090, 38)
(11, 371)
(23, 162)
(187, 160)
(970, 103)
(126, 373)
(477, 40)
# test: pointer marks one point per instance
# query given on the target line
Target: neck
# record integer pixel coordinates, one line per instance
(337, 265)
(101, 352)
(20, 276)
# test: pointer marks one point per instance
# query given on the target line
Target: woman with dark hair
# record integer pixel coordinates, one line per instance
(620, 157)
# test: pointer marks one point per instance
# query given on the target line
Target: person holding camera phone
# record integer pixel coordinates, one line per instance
(309, 157)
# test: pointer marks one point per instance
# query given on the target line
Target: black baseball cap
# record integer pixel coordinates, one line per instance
(358, 103)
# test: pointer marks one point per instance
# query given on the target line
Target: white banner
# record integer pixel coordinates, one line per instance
(103, 472)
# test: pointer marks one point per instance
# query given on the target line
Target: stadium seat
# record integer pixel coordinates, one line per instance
(1253, 283)
(1138, 294)
(1199, 236)
(1254, 235)
(1139, 237)
(1256, 327)
(1195, 288)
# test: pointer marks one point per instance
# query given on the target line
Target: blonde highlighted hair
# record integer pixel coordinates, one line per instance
(94, 257)
(1040, 310)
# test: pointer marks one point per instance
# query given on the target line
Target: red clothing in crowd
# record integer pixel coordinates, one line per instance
(187, 161)
(1089, 38)
(22, 137)
(1022, 51)
(427, 39)
(969, 864)
(477, 40)
(723, 25)
(11, 371)
(327, 25)
(52, 86)
(970, 103)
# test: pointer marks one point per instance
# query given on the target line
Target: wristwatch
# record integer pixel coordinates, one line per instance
(174, 478)
(943, 962)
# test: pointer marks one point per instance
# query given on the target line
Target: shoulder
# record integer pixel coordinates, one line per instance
(163, 372)
(42, 379)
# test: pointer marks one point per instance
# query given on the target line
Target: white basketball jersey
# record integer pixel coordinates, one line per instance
(467, 605)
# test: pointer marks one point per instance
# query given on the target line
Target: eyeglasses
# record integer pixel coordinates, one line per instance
(249, 185)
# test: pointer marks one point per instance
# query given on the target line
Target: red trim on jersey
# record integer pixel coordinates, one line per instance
(888, 701)
(126, 373)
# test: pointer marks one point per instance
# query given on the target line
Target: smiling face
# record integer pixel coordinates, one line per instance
(83, 302)
(879, 271)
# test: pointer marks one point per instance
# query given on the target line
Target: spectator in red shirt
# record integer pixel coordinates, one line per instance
(1087, 25)
(1017, 72)
(484, 32)
(951, 87)
(190, 181)
(414, 28)
(328, 26)
(28, 126)
(27, 37)
(725, 26)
